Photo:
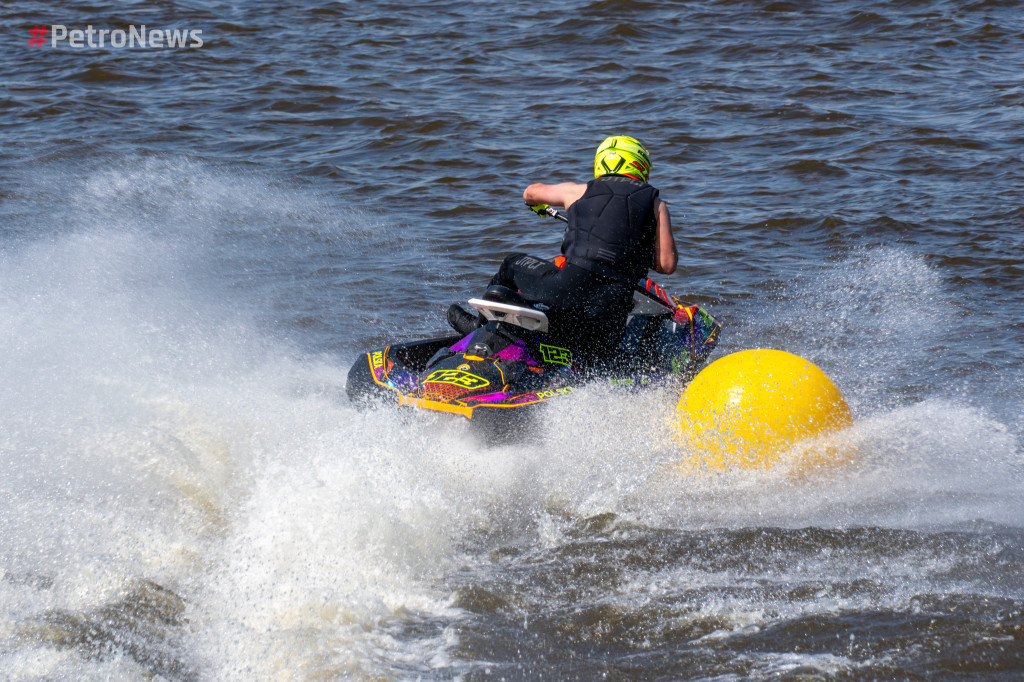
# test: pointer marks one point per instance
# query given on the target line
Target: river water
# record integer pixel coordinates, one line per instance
(196, 243)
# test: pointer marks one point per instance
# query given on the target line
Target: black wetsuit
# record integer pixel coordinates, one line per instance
(608, 247)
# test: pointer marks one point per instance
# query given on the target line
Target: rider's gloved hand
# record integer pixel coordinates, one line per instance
(539, 209)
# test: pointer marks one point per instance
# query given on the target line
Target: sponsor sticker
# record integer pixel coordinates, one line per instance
(565, 390)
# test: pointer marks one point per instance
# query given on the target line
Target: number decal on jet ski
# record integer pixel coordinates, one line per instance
(556, 355)
(456, 377)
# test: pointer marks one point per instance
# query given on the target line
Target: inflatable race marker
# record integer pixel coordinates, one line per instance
(755, 408)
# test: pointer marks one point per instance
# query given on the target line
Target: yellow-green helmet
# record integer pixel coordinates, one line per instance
(624, 156)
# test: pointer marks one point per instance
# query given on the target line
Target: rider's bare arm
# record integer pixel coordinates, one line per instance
(564, 194)
(665, 253)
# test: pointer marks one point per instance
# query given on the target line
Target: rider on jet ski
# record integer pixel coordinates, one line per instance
(618, 228)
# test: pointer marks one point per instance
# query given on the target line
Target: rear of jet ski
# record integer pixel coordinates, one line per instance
(382, 375)
(501, 367)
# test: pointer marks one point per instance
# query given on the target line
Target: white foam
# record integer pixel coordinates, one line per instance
(154, 430)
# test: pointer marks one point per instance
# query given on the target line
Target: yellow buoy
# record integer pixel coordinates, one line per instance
(750, 408)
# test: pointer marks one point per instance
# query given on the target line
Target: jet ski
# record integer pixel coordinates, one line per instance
(504, 361)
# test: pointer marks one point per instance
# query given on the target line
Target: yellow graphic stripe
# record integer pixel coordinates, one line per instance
(436, 405)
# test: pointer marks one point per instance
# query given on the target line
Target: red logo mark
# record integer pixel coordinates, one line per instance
(38, 38)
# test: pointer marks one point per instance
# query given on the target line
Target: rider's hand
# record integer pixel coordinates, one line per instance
(539, 209)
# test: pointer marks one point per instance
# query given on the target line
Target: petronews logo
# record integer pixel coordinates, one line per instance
(135, 36)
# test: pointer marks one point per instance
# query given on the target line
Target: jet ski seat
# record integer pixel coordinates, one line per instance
(502, 294)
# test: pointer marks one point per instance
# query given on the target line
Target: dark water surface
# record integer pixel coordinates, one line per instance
(196, 243)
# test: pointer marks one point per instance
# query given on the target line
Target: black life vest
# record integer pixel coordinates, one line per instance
(612, 228)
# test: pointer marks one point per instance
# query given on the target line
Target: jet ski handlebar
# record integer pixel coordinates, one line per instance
(545, 210)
